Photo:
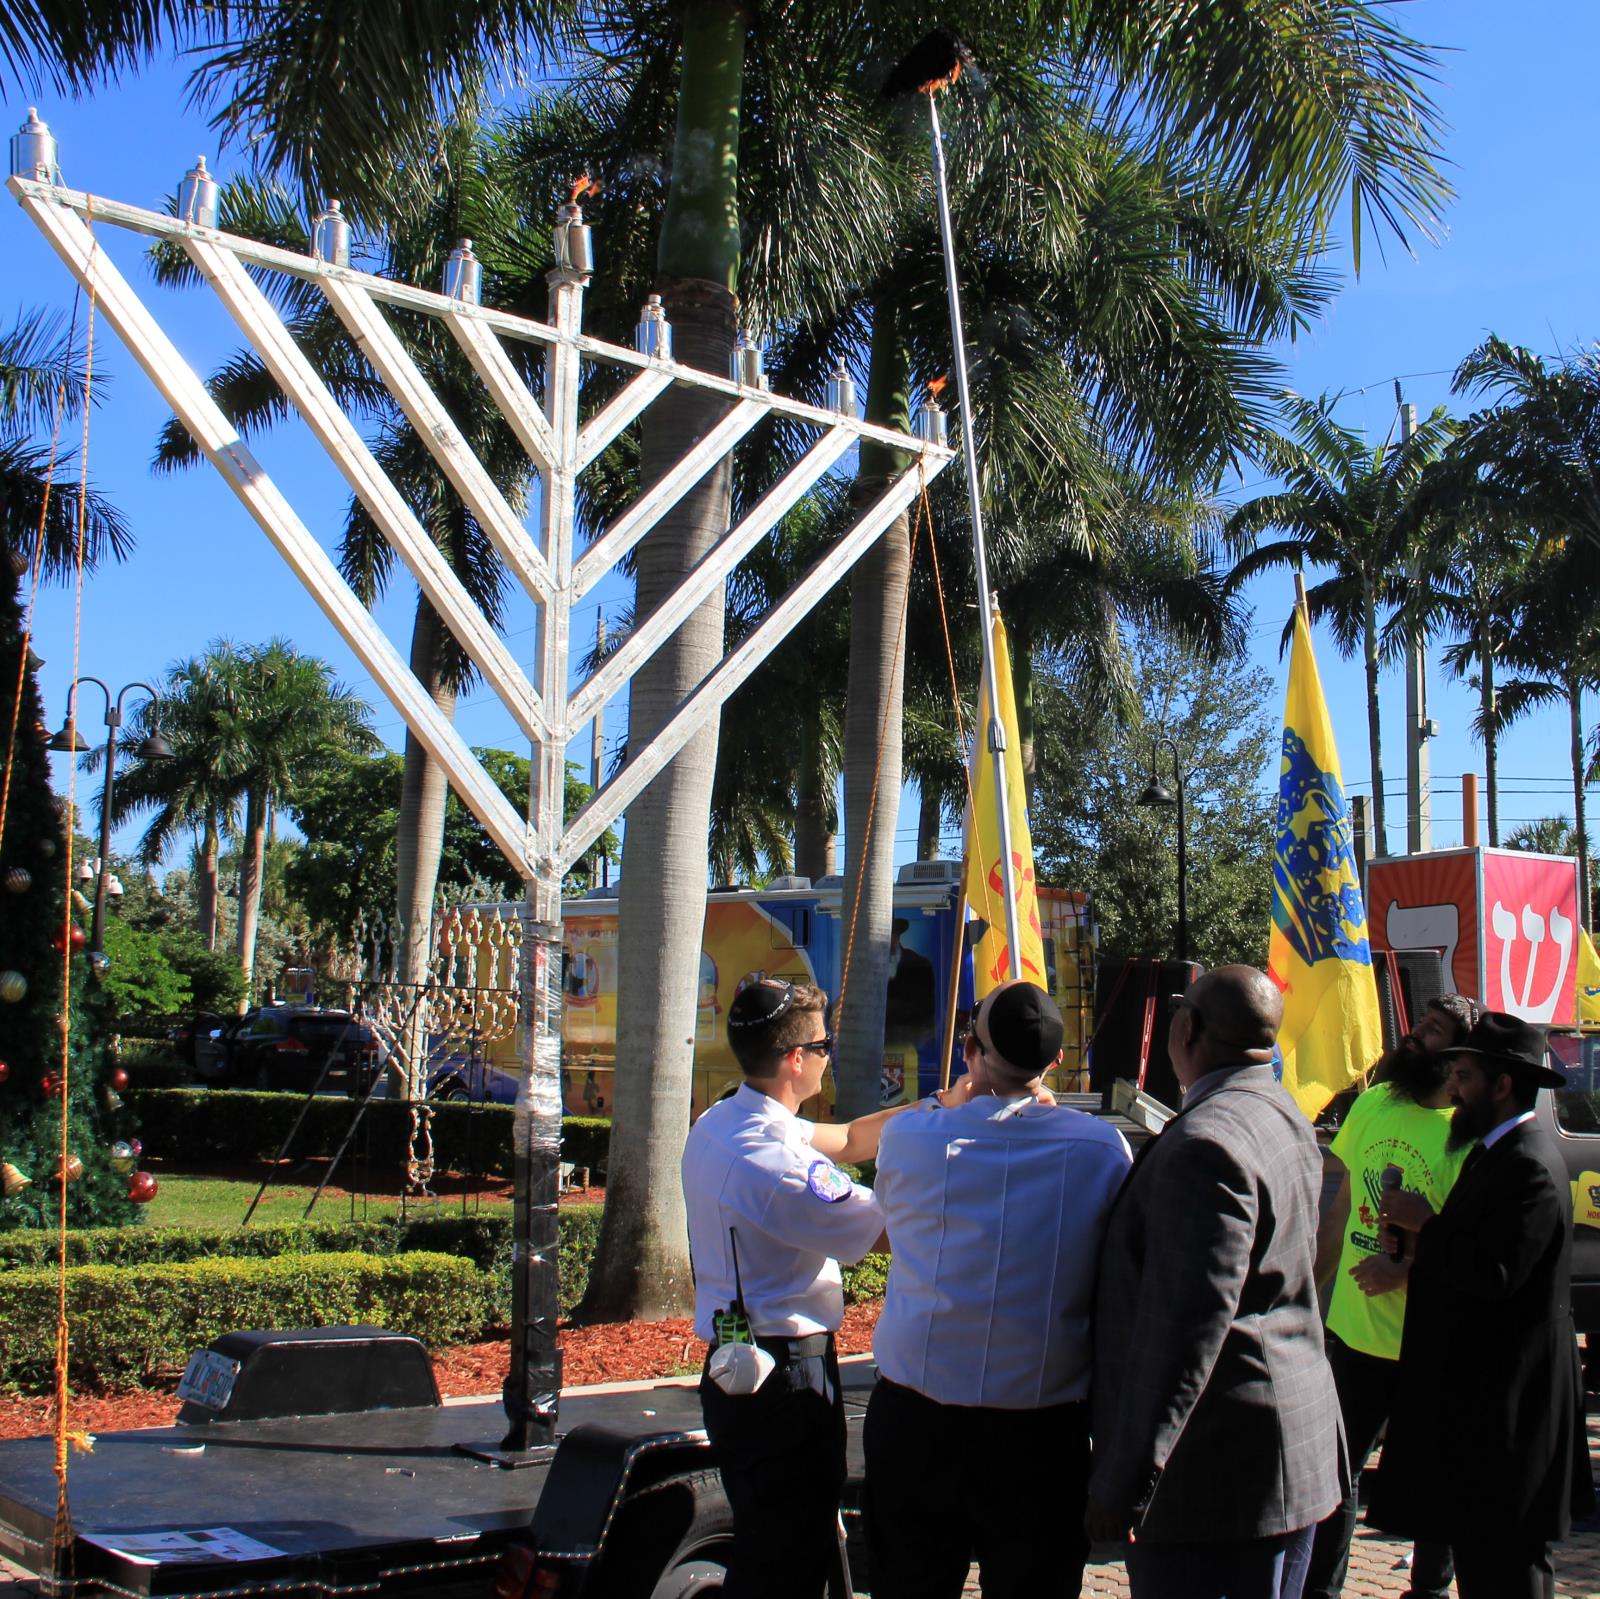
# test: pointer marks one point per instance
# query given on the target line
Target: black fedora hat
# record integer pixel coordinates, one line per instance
(1513, 1045)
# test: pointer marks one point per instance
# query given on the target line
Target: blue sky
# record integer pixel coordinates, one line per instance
(1517, 258)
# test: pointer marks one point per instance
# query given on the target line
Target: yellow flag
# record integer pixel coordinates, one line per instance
(991, 954)
(1588, 981)
(1319, 955)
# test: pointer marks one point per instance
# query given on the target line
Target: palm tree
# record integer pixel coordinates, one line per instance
(1346, 506)
(198, 788)
(1468, 584)
(42, 380)
(1538, 448)
(293, 716)
(1553, 657)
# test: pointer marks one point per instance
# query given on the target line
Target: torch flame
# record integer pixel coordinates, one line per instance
(933, 85)
(582, 185)
(937, 387)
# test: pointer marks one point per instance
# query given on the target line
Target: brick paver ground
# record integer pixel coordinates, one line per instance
(1376, 1571)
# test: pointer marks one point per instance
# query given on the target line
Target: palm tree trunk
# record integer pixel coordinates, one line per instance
(1491, 735)
(930, 823)
(206, 887)
(1580, 824)
(419, 841)
(419, 835)
(813, 837)
(641, 1267)
(1369, 625)
(252, 858)
(873, 710)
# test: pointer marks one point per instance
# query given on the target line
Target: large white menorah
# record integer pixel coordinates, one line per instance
(561, 443)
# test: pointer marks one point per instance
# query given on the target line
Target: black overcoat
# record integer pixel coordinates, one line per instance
(1486, 1439)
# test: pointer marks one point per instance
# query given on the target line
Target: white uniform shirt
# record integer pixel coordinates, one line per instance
(749, 1164)
(995, 1210)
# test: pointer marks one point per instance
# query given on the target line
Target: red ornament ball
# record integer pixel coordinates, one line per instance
(136, 1147)
(142, 1187)
(50, 1084)
(119, 1078)
(76, 937)
(5, 1070)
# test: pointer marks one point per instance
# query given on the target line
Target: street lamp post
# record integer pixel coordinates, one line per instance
(69, 740)
(1157, 794)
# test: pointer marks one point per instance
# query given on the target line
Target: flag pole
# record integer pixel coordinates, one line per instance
(994, 734)
(1300, 597)
(959, 942)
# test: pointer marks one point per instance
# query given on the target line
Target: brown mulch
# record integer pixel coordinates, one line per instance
(631, 1351)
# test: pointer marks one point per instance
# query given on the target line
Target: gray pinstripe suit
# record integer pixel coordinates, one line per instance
(1210, 1382)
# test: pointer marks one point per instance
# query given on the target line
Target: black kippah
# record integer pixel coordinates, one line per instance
(758, 1003)
(1024, 1028)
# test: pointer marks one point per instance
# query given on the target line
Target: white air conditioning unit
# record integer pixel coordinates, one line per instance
(929, 872)
(783, 884)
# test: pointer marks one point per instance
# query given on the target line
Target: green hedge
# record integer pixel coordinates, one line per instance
(130, 1324)
(236, 1126)
(474, 1237)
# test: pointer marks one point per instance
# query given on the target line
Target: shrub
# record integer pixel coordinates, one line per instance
(868, 1279)
(235, 1126)
(476, 1238)
(133, 1323)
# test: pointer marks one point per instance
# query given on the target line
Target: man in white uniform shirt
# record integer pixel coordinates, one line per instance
(995, 1209)
(761, 1181)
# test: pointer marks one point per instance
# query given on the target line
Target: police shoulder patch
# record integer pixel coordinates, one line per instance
(827, 1182)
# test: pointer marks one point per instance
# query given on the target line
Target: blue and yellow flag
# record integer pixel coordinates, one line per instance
(992, 962)
(1588, 1009)
(1319, 955)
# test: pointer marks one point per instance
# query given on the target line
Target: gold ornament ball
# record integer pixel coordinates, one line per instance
(18, 880)
(122, 1156)
(13, 985)
(12, 1181)
(70, 1169)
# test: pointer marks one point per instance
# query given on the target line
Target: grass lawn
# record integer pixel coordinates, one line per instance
(217, 1203)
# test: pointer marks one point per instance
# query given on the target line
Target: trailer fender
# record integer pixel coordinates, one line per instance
(595, 1472)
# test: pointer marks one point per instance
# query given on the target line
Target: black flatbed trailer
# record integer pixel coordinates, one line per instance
(385, 1502)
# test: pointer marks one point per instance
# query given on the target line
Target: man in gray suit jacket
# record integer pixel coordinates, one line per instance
(1217, 1442)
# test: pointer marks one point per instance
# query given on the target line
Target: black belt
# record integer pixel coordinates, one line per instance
(787, 1349)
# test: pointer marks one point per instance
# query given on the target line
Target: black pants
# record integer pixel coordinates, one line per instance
(1514, 1570)
(1366, 1388)
(781, 1454)
(927, 1521)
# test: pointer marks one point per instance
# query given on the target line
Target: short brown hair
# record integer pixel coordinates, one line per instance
(758, 1041)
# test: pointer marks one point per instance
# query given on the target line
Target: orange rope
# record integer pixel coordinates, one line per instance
(923, 514)
(33, 589)
(62, 1535)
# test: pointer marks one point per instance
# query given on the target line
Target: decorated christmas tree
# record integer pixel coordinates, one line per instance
(54, 1048)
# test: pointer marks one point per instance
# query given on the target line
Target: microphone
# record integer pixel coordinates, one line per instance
(1391, 1182)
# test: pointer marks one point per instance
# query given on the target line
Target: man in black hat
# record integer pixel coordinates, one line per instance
(995, 1204)
(1486, 1447)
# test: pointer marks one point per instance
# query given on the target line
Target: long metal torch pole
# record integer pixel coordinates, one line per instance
(995, 733)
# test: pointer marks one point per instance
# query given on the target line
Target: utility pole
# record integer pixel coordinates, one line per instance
(1419, 802)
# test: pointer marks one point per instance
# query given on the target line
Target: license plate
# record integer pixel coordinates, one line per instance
(208, 1379)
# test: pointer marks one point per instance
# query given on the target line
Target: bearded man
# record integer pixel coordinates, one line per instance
(1486, 1447)
(1402, 1121)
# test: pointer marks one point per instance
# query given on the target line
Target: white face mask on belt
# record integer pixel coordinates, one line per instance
(740, 1368)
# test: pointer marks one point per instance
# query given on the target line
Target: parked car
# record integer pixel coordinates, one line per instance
(463, 1077)
(287, 1047)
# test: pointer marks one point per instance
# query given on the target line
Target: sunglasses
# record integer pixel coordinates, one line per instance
(818, 1046)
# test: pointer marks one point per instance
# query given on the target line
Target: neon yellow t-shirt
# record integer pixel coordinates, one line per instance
(1384, 1129)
